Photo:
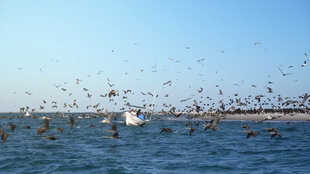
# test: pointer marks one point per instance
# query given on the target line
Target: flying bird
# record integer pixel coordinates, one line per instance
(284, 74)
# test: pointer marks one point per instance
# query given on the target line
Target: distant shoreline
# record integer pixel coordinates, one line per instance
(228, 117)
(259, 117)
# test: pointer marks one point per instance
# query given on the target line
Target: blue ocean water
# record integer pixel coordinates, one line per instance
(145, 150)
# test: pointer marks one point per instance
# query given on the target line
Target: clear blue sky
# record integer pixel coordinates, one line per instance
(81, 35)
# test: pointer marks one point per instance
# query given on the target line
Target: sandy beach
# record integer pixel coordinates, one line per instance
(259, 117)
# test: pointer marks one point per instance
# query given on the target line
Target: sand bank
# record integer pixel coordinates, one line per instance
(259, 117)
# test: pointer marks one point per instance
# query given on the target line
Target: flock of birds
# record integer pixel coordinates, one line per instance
(197, 104)
(200, 102)
(192, 126)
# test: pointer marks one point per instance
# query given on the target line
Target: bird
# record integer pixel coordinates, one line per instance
(72, 122)
(111, 85)
(175, 114)
(57, 86)
(77, 81)
(185, 99)
(191, 131)
(166, 130)
(114, 136)
(112, 93)
(304, 64)
(101, 95)
(220, 92)
(256, 43)
(113, 128)
(269, 89)
(271, 129)
(200, 60)
(4, 136)
(284, 74)
(60, 130)
(274, 132)
(245, 126)
(212, 124)
(41, 130)
(28, 92)
(12, 126)
(107, 119)
(51, 137)
(250, 133)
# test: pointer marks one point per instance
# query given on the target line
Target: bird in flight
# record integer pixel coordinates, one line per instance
(304, 64)
(284, 74)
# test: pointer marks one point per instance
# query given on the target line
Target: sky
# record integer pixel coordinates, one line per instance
(57, 42)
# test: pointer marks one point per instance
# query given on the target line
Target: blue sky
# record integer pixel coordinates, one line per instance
(81, 35)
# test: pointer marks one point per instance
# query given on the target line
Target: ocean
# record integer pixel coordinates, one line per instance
(83, 149)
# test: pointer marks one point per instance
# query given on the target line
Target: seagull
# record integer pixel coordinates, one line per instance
(304, 64)
(107, 120)
(20, 68)
(63, 89)
(57, 86)
(88, 95)
(269, 82)
(200, 61)
(283, 74)
(111, 85)
(101, 95)
(28, 92)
